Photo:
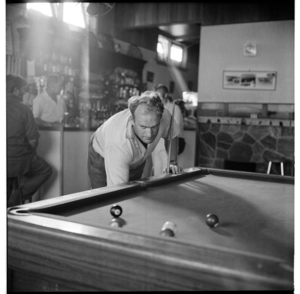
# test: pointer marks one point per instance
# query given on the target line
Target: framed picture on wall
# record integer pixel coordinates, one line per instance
(172, 86)
(249, 80)
(150, 76)
(145, 87)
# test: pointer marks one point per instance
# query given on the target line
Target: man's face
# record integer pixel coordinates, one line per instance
(20, 92)
(163, 94)
(56, 88)
(146, 123)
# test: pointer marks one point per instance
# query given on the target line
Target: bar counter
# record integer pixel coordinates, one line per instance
(65, 149)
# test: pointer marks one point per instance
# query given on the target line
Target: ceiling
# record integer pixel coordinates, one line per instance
(182, 21)
(186, 34)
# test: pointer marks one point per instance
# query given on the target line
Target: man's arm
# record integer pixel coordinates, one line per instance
(31, 129)
(39, 121)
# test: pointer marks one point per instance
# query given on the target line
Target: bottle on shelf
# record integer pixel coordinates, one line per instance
(66, 67)
(39, 63)
(45, 61)
(53, 60)
(70, 68)
(61, 64)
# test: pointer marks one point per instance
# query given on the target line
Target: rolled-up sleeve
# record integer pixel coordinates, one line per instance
(36, 109)
(117, 162)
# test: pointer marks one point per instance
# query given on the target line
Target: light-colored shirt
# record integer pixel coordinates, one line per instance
(117, 143)
(159, 155)
(46, 109)
(28, 99)
(178, 117)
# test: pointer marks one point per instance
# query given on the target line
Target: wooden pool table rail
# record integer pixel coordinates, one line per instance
(54, 254)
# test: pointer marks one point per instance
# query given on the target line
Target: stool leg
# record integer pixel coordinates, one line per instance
(20, 192)
(269, 167)
(281, 167)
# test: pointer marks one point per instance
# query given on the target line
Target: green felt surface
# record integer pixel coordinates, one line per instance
(255, 216)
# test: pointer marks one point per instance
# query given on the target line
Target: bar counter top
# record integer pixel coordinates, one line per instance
(246, 121)
(55, 127)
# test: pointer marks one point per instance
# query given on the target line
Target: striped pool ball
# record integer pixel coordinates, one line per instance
(169, 229)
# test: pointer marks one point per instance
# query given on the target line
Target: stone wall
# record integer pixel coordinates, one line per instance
(240, 140)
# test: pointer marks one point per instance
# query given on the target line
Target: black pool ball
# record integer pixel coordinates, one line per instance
(116, 223)
(212, 220)
(116, 211)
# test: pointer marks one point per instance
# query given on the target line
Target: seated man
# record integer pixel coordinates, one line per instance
(22, 139)
(48, 107)
(119, 147)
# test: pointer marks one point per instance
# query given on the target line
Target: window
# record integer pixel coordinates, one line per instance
(168, 51)
(176, 53)
(162, 48)
(73, 14)
(72, 11)
(44, 8)
(159, 48)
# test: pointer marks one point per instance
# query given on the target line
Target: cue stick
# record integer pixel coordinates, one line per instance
(170, 143)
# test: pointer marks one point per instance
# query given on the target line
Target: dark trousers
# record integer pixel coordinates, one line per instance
(97, 173)
(33, 177)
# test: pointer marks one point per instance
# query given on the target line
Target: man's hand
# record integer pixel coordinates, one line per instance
(174, 169)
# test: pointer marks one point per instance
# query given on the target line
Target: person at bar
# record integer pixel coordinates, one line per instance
(48, 106)
(119, 148)
(22, 139)
(29, 95)
(155, 163)
(168, 103)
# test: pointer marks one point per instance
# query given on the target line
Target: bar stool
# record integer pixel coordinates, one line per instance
(16, 185)
(16, 168)
(281, 167)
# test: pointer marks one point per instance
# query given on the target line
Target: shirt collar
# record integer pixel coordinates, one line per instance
(129, 128)
(45, 93)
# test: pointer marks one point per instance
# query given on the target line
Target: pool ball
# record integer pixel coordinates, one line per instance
(168, 229)
(116, 223)
(116, 211)
(212, 220)
(167, 232)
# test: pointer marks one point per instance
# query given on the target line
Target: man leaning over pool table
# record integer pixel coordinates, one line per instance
(119, 147)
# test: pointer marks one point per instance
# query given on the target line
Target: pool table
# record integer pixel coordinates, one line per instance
(67, 243)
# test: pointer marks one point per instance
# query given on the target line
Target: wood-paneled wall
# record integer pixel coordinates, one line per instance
(153, 14)
(243, 12)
